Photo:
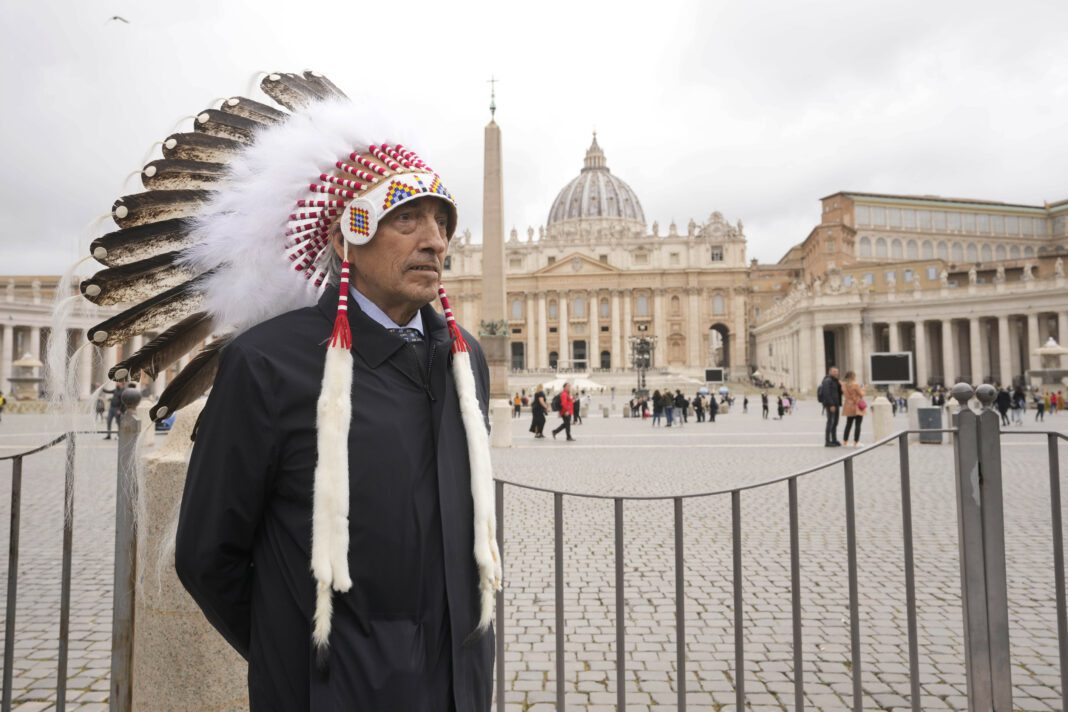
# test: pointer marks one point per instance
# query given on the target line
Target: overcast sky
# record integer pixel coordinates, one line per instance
(755, 109)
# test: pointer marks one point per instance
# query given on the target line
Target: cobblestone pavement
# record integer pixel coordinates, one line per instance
(623, 457)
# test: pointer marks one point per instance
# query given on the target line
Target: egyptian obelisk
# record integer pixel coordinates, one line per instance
(493, 331)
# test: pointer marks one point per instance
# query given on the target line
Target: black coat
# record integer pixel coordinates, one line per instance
(244, 534)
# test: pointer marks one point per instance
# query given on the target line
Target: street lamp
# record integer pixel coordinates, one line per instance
(642, 349)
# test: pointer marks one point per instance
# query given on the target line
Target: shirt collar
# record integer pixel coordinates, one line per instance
(376, 314)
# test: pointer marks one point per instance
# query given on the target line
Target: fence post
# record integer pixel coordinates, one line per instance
(122, 619)
(981, 537)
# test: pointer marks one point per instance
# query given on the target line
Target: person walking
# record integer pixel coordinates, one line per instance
(1040, 408)
(764, 405)
(538, 409)
(576, 407)
(1003, 402)
(853, 407)
(669, 406)
(713, 408)
(699, 408)
(745, 403)
(830, 392)
(100, 408)
(1019, 404)
(658, 408)
(567, 409)
(681, 406)
(3, 402)
(517, 405)
(115, 406)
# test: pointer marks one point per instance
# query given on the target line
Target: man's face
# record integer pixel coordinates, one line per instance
(834, 372)
(400, 268)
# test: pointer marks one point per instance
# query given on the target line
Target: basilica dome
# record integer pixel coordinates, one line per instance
(597, 195)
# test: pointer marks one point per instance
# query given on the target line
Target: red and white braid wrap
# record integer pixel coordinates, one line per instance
(487, 555)
(330, 503)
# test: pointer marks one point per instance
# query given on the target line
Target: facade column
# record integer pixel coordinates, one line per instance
(1004, 358)
(7, 347)
(856, 353)
(528, 355)
(564, 355)
(85, 367)
(628, 322)
(543, 333)
(660, 327)
(593, 320)
(693, 331)
(974, 336)
(921, 354)
(895, 336)
(949, 355)
(819, 363)
(1062, 334)
(740, 335)
(618, 347)
(1033, 361)
(35, 342)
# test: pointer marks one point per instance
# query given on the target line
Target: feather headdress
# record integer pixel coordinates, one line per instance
(244, 205)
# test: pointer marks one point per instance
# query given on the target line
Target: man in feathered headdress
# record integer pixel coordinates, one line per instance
(337, 525)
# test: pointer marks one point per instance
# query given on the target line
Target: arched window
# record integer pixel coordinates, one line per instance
(553, 359)
(517, 309)
(1000, 253)
(605, 308)
(865, 247)
(986, 253)
(1014, 252)
(578, 307)
(957, 252)
(641, 305)
(676, 306)
(552, 309)
(606, 360)
(1030, 252)
(972, 252)
(880, 247)
(719, 305)
(927, 252)
(912, 250)
(896, 249)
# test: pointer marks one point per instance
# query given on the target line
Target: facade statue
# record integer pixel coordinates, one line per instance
(999, 276)
(973, 276)
(943, 277)
(691, 228)
(530, 234)
(673, 229)
(817, 286)
(1058, 267)
(656, 229)
(1028, 275)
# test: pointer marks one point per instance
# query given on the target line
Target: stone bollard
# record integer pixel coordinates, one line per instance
(916, 401)
(882, 418)
(501, 423)
(626, 410)
(605, 411)
(180, 662)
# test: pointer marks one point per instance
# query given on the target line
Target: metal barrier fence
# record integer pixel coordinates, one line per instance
(125, 556)
(981, 541)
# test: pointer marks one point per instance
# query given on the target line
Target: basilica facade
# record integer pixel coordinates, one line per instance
(596, 278)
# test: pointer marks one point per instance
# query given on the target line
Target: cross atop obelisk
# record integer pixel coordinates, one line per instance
(493, 96)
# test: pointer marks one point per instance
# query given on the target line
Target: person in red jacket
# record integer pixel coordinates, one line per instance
(567, 409)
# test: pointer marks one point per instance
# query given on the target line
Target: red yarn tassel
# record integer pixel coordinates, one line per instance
(341, 337)
(459, 343)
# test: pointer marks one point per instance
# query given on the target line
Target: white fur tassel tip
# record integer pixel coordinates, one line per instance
(330, 504)
(487, 556)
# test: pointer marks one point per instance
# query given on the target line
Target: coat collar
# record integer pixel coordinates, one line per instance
(370, 339)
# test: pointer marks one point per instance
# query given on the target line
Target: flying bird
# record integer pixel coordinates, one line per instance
(120, 19)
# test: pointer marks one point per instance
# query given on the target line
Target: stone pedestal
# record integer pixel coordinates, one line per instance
(882, 418)
(916, 401)
(180, 662)
(501, 423)
(604, 411)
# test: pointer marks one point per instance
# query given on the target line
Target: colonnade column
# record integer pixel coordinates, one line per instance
(528, 360)
(617, 332)
(593, 346)
(949, 357)
(35, 342)
(85, 366)
(7, 347)
(1033, 361)
(820, 362)
(974, 335)
(543, 333)
(627, 321)
(921, 354)
(564, 355)
(1004, 358)
(856, 352)
(660, 327)
(1062, 334)
(895, 336)
(693, 332)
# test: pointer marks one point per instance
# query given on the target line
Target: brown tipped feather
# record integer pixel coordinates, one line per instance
(167, 174)
(200, 147)
(191, 383)
(323, 85)
(254, 110)
(158, 354)
(289, 90)
(155, 205)
(150, 315)
(138, 243)
(217, 123)
(136, 281)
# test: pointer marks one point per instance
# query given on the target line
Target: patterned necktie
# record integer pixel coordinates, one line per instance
(414, 339)
(412, 336)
